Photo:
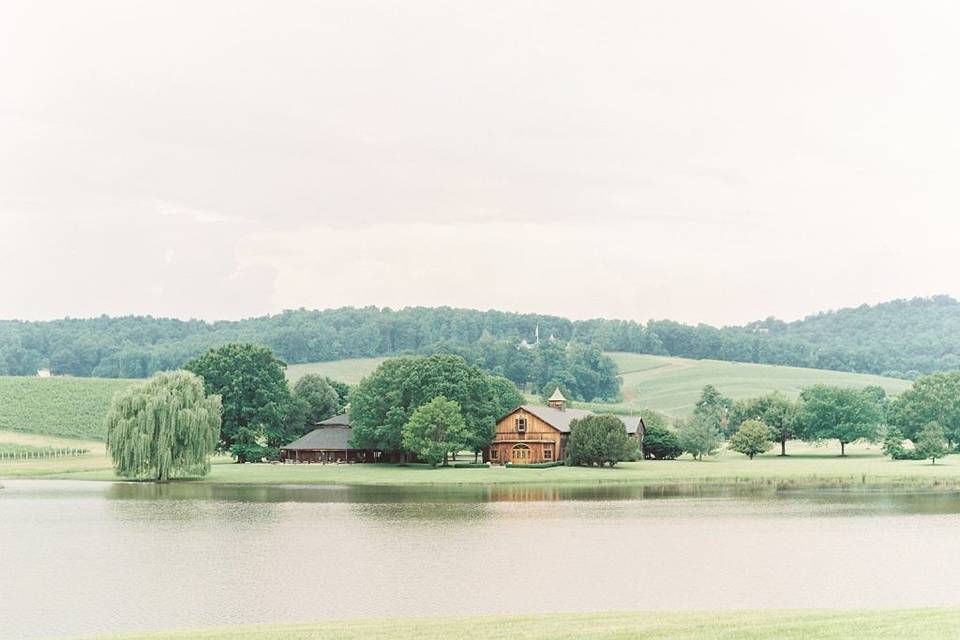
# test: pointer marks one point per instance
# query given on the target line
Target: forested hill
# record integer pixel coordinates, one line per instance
(901, 338)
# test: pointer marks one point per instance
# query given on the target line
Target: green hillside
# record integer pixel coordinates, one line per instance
(349, 371)
(672, 385)
(669, 385)
(67, 407)
(77, 407)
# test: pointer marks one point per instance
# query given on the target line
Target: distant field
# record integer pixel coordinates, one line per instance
(77, 407)
(669, 385)
(349, 371)
(67, 407)
(672, 385)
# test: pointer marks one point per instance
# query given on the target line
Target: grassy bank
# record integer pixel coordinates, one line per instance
(807, 466)
(919, 624)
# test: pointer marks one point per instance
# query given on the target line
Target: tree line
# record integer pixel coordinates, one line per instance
(927, 416)
(917, 336)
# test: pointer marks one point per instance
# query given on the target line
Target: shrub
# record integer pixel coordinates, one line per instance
(660, 443)
(751, 438)
(599, 440)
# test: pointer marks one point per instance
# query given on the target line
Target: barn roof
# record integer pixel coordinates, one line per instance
(336, 437)
(561, 419)
(342, 420)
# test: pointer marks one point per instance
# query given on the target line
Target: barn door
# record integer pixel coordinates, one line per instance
(520, 454)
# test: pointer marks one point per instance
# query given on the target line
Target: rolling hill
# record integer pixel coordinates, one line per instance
(669, 385)
(77, 407)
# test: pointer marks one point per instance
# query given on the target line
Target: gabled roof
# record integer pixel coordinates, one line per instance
(560, 420)
(335, 437)
(342, 420)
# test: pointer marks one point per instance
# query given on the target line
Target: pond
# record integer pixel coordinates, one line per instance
(91, 558)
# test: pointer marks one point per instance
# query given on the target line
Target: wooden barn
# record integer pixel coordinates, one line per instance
(329, 442)
(532, 434)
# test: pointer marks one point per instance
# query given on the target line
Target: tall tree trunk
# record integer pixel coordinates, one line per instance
(475, 456)
(783, 445)
(445, 458)
(843, 448)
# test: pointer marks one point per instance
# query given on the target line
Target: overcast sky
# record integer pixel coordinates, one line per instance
(696, 160)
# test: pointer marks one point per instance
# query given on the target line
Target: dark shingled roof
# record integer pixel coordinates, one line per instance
(342, 420)
(560, 420)
(336, 437)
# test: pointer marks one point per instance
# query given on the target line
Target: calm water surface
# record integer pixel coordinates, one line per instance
(86, 558)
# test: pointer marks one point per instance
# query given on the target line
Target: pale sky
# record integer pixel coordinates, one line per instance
(701, 161)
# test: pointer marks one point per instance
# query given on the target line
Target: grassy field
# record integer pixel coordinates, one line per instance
(672, 385)
(77, 407)
(669, 385)
(919, 624)
(807, 466)
(67, 407)
(350, 371)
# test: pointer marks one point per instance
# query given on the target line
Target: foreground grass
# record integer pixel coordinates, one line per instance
(918, 624)
(807, 466)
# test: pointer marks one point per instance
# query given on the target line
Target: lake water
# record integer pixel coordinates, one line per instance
(86, 558)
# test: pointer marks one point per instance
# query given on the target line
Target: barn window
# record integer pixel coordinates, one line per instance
(494, 454)
(521, 424)
(548, 453)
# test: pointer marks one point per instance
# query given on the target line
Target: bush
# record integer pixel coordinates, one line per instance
(599, 440)
(659, 443)
(752, 438)
(535, 465)
(469, 465)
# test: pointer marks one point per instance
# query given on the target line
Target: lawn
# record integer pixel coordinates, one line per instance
(807, 466)
(918, 624)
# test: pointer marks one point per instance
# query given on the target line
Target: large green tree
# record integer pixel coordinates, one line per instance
(713, 408)
(322, 400)
(256, 398)
(599, 440)
(933, 398)
(384, 401)
(435, 430)
(699, 436)
(838, 413)
(932, 442)
(661, 443)
(164, 428)
(775, 410)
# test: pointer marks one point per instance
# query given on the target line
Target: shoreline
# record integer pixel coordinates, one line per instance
(920, 624)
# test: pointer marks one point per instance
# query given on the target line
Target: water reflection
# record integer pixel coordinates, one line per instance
(161, 555)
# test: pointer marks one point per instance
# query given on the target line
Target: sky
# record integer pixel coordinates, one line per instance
(684, 159)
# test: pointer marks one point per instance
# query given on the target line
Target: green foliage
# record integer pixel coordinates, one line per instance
(660, 443)
(932, 442)
(846, 415)
(778, 412)
(933, 398)
(919, 335)
(384, 401)
(752, 438)
(320, 398)
(599, 440)
(435, 430)
(67, 407)
(256, 398)
(893, 447)
(699, 436)
(343, 393)
(164, 428)
(713, 408)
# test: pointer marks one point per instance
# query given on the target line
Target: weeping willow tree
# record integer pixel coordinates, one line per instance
(164, 428)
